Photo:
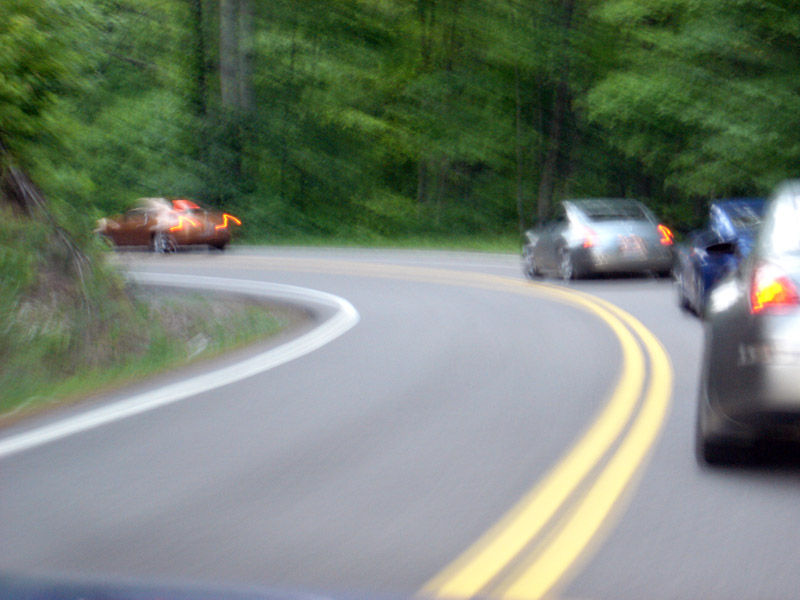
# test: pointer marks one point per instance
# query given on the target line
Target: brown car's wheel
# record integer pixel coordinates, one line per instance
(106, 240)
(163, 243)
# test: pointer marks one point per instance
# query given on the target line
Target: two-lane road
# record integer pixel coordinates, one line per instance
(474, 433)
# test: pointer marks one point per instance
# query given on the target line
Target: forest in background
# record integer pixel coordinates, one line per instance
(355, 121)
(372, 119)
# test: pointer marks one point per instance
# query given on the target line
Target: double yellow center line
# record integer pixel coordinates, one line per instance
(539, 543)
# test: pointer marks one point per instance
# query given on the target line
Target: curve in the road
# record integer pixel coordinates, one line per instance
(594, 513)
(344, 317)
(541, 541)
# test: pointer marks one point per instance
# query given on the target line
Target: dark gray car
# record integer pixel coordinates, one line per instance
(601, 235)
(750, 383)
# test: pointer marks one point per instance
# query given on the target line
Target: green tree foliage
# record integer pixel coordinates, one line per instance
(135, 132)
(380, 118)
(366, 120)
(44, 56)
(704, 93)
(40, 58)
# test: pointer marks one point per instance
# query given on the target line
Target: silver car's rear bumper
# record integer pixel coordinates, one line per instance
(612, 260)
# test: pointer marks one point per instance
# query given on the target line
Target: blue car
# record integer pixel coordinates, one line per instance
(709, 254)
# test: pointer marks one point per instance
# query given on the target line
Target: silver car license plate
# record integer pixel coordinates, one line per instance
(632, 247)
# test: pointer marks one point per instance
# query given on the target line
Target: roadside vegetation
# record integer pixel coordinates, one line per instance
(67, 332)
(412, 123)
(478, 242)
(372, 120)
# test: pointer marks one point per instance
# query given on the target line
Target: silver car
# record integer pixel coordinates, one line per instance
(750, 383)
(601, 235)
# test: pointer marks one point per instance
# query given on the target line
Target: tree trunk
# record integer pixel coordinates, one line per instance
(426, 12)
(422, 180)
(25, 198)
(518, 150)
(17, 190)
(549, 170)
(561, 105)
(441, 184)
(229, 53)
(284, 173)
(450, 38)
(199, 65)
(245, 56)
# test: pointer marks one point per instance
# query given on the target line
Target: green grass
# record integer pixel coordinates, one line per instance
(70, 325)
(70, 329)
(478, 243)
(175, 330)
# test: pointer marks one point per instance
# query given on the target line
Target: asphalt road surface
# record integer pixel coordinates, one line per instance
(472, 434)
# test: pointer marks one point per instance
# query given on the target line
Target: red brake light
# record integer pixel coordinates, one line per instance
(225, 218)
(667, 237)
(183, 204)
(772, 289)
(589, 237)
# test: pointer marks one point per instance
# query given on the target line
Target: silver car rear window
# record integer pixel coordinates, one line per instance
(612, 210)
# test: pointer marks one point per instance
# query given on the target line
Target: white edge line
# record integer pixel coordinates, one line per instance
(345, 318)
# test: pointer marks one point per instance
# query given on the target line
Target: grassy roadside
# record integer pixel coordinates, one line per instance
(173, 330)
(64, 337)
(476, 243)
(71, 326)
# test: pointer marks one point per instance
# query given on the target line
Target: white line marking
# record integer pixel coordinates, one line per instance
(343, 320)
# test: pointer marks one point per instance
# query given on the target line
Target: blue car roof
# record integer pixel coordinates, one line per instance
(756, 204)
(733, 217)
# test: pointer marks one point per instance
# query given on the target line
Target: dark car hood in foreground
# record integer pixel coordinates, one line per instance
(49, 587)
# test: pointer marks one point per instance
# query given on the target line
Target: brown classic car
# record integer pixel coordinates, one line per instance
(164, 225)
